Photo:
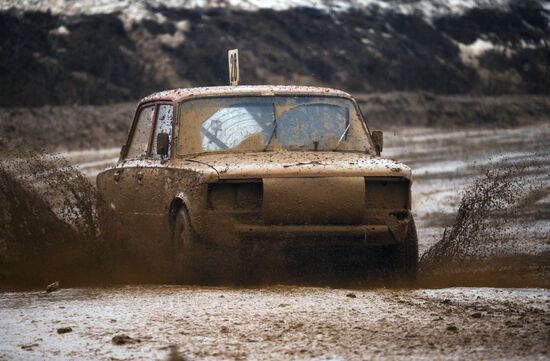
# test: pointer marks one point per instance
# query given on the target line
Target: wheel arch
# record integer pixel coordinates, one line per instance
(179, 201)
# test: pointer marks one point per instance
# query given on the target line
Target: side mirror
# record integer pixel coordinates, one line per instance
(163, 143)
(378, 140)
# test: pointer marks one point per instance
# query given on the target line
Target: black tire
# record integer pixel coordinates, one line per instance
(403, 258)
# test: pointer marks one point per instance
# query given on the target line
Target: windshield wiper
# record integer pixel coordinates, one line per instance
(342, 136)
(274, 129)
(271, 136)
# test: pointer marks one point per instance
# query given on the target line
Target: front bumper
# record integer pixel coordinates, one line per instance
(379, 228)
(360, 234)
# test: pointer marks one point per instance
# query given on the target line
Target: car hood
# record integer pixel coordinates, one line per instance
(301, 164)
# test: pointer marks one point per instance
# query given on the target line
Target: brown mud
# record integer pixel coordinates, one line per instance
(280, 322)
(471, 251)
(48, 220)
(50, 231)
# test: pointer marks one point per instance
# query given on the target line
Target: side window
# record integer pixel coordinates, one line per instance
(164, 125)
(142, 134)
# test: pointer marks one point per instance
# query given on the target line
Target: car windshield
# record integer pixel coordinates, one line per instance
(271, 123)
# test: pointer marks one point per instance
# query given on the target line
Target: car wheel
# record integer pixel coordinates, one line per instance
(184, 244)
(403, 258)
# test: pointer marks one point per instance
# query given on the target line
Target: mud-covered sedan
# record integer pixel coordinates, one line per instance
(283, 166)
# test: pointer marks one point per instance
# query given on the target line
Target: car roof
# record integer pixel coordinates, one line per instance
(175, 95)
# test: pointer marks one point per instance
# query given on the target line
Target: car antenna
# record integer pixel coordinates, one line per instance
(233, 62)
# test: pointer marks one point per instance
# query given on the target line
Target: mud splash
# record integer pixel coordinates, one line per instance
(48, 220)
(49, 229)
(483, 245)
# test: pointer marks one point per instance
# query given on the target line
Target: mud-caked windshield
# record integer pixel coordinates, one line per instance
(271, 123)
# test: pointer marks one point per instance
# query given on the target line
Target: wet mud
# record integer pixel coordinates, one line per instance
(48, 221)
(282, 322)
(50, 230)
(496, 234)
(473, 249)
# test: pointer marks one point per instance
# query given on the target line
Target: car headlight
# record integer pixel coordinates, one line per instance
(235, 195)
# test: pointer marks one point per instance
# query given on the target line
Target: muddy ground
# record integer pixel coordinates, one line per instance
(276, 323)
(460, 320)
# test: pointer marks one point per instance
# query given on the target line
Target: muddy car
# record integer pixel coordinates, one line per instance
(233, 167)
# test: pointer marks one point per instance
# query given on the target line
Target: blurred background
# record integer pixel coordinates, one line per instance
(423, 62)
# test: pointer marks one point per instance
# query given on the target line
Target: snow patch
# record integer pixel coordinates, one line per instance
(183, 25)
(172, 40)
(62, 31)
(133, 11)
(470, 53)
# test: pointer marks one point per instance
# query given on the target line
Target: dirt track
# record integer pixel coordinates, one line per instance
(277, 323)
(320, 323)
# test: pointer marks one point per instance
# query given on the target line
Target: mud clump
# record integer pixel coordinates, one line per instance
(175, 354)
(52, 287)
(64, 330)
(124, 340)
(478, 248)
(48, 220)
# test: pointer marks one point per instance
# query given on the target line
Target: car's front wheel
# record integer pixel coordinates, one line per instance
(402, 260)
(183, 247)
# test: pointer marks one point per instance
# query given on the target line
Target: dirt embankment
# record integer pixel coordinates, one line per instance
(71, 127)
(485, 50)
(65, 127)
(385, 110)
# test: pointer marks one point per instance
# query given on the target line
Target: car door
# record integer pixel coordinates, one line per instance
(137, 185)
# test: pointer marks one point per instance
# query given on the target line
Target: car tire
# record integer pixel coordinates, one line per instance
(183, 247)
(403, 258)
